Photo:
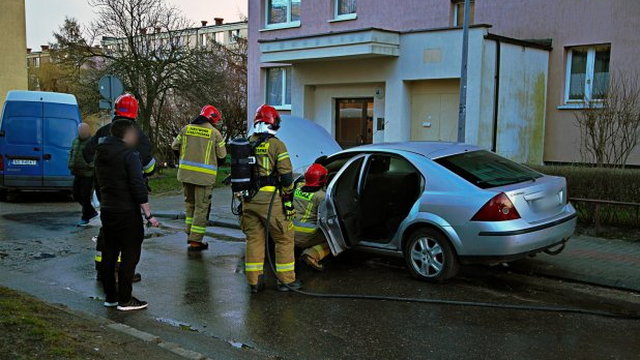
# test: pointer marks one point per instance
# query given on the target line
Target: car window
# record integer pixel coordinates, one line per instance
(335, 163)
(347, 183)
(486, 169)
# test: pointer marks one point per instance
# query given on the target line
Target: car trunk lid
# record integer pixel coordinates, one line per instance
(537, 200)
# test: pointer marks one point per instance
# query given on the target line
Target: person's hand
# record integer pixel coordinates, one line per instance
(153, 222)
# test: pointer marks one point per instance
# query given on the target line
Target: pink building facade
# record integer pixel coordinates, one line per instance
(376, 70)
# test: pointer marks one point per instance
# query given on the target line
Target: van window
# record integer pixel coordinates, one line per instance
(22, 130)
(60, 132)
(61, 111)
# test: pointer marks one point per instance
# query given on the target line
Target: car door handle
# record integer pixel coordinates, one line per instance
(47, 156)
(36, 149)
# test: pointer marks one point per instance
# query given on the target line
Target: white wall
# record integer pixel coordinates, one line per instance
(522, 103)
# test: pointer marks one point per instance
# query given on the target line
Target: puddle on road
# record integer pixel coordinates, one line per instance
(187, 327)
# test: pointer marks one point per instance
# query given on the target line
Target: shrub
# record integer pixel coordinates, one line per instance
(601, 184)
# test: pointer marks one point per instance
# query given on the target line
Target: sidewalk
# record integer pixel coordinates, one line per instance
(612, 263)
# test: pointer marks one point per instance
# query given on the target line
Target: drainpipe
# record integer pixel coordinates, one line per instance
(496, 97)
(462, 114)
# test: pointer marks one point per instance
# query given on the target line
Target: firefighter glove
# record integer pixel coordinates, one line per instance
(287, 204)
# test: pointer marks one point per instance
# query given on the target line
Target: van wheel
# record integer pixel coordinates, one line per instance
(430, 256)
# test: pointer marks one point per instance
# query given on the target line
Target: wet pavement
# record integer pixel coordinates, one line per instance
(201, 301)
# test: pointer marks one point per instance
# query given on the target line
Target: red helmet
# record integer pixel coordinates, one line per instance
(268, 114)
(126, 106)
(316, 175)
(211, 113)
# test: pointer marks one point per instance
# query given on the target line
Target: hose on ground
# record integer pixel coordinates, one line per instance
(434, 301)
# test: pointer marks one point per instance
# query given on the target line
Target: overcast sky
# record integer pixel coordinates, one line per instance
(45, 16)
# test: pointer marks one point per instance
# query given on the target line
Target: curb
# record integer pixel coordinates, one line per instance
(132, 332)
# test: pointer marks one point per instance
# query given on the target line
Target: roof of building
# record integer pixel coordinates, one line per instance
(50, 97)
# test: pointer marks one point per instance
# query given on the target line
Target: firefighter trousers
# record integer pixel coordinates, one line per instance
(253, 222)
(314, 245)
(197, 199)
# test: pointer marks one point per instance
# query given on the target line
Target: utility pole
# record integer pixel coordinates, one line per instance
(462, 114)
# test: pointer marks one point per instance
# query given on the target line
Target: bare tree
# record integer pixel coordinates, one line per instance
(610, 128)
(148, 48)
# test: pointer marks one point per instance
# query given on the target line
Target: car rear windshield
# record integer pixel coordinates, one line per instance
(486, 169)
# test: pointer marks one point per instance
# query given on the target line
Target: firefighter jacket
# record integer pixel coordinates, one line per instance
(273, 166)
(306, 204)
(200, 145)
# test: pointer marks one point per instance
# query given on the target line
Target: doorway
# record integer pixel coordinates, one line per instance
(354, 122)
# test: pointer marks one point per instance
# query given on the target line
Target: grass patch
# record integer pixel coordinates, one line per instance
(31, 330)
(167, 180)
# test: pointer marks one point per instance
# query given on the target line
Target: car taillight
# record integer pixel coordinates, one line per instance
(499, 208)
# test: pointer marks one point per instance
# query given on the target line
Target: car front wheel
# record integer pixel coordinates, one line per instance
(430, 256)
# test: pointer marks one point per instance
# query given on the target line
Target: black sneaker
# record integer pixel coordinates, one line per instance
(132, 305)
(258, 287)
(296, 285)
(110, 303)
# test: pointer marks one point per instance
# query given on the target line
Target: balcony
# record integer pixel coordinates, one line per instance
(365, 43)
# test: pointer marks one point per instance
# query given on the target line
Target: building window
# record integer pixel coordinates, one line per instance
(587, 73)
(234, 35)
(345, 9)
(458, 12)
(282, 13)
(219, 37)
(279, 87)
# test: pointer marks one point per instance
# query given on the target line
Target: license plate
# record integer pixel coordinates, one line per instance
(24, 162)
(549, 202)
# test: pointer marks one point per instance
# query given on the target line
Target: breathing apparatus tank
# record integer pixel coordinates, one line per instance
(242, 166)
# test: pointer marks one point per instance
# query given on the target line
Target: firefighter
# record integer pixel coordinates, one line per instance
(307, 199)
(125, 107)
(201, 148)
(273, 172)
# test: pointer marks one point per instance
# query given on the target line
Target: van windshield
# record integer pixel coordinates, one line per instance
(486, 169)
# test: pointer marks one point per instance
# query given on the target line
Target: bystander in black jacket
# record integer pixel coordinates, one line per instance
(119, 175)
(144, 147)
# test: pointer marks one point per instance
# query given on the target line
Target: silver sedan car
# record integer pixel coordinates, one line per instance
(435, 204)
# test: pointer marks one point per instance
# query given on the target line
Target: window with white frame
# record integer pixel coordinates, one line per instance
(458, 12)
(345, 9)
(282, 13)
(234, 35)
(587, 73)
(279, 87)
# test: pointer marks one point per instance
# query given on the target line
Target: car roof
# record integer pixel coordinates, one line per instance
(429, 149)
(43, 96)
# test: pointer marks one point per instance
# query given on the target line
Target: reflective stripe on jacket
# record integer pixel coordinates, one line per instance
(306, 205)
(200, 145)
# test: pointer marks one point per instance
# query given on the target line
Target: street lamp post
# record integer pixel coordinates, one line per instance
(462, 113)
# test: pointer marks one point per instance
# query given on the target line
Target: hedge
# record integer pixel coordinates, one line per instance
(601, 184)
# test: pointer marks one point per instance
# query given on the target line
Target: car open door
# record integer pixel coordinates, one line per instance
(339, 215)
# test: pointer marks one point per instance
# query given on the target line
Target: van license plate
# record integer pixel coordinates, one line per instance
(23, 162)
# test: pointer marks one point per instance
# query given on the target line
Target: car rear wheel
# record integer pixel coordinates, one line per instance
(430, 256)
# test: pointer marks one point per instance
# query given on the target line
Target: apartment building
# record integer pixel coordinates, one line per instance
(13, 37)
(376, 70)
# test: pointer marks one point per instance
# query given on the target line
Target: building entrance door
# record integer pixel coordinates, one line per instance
(354, 122)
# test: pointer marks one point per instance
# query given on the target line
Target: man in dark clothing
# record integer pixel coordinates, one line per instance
(125, 107)
(123, 194)
(83, 175)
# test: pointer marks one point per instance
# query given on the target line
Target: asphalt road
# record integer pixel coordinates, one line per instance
(202, 302)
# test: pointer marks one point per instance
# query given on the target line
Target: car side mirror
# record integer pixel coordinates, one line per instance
(321, 160)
